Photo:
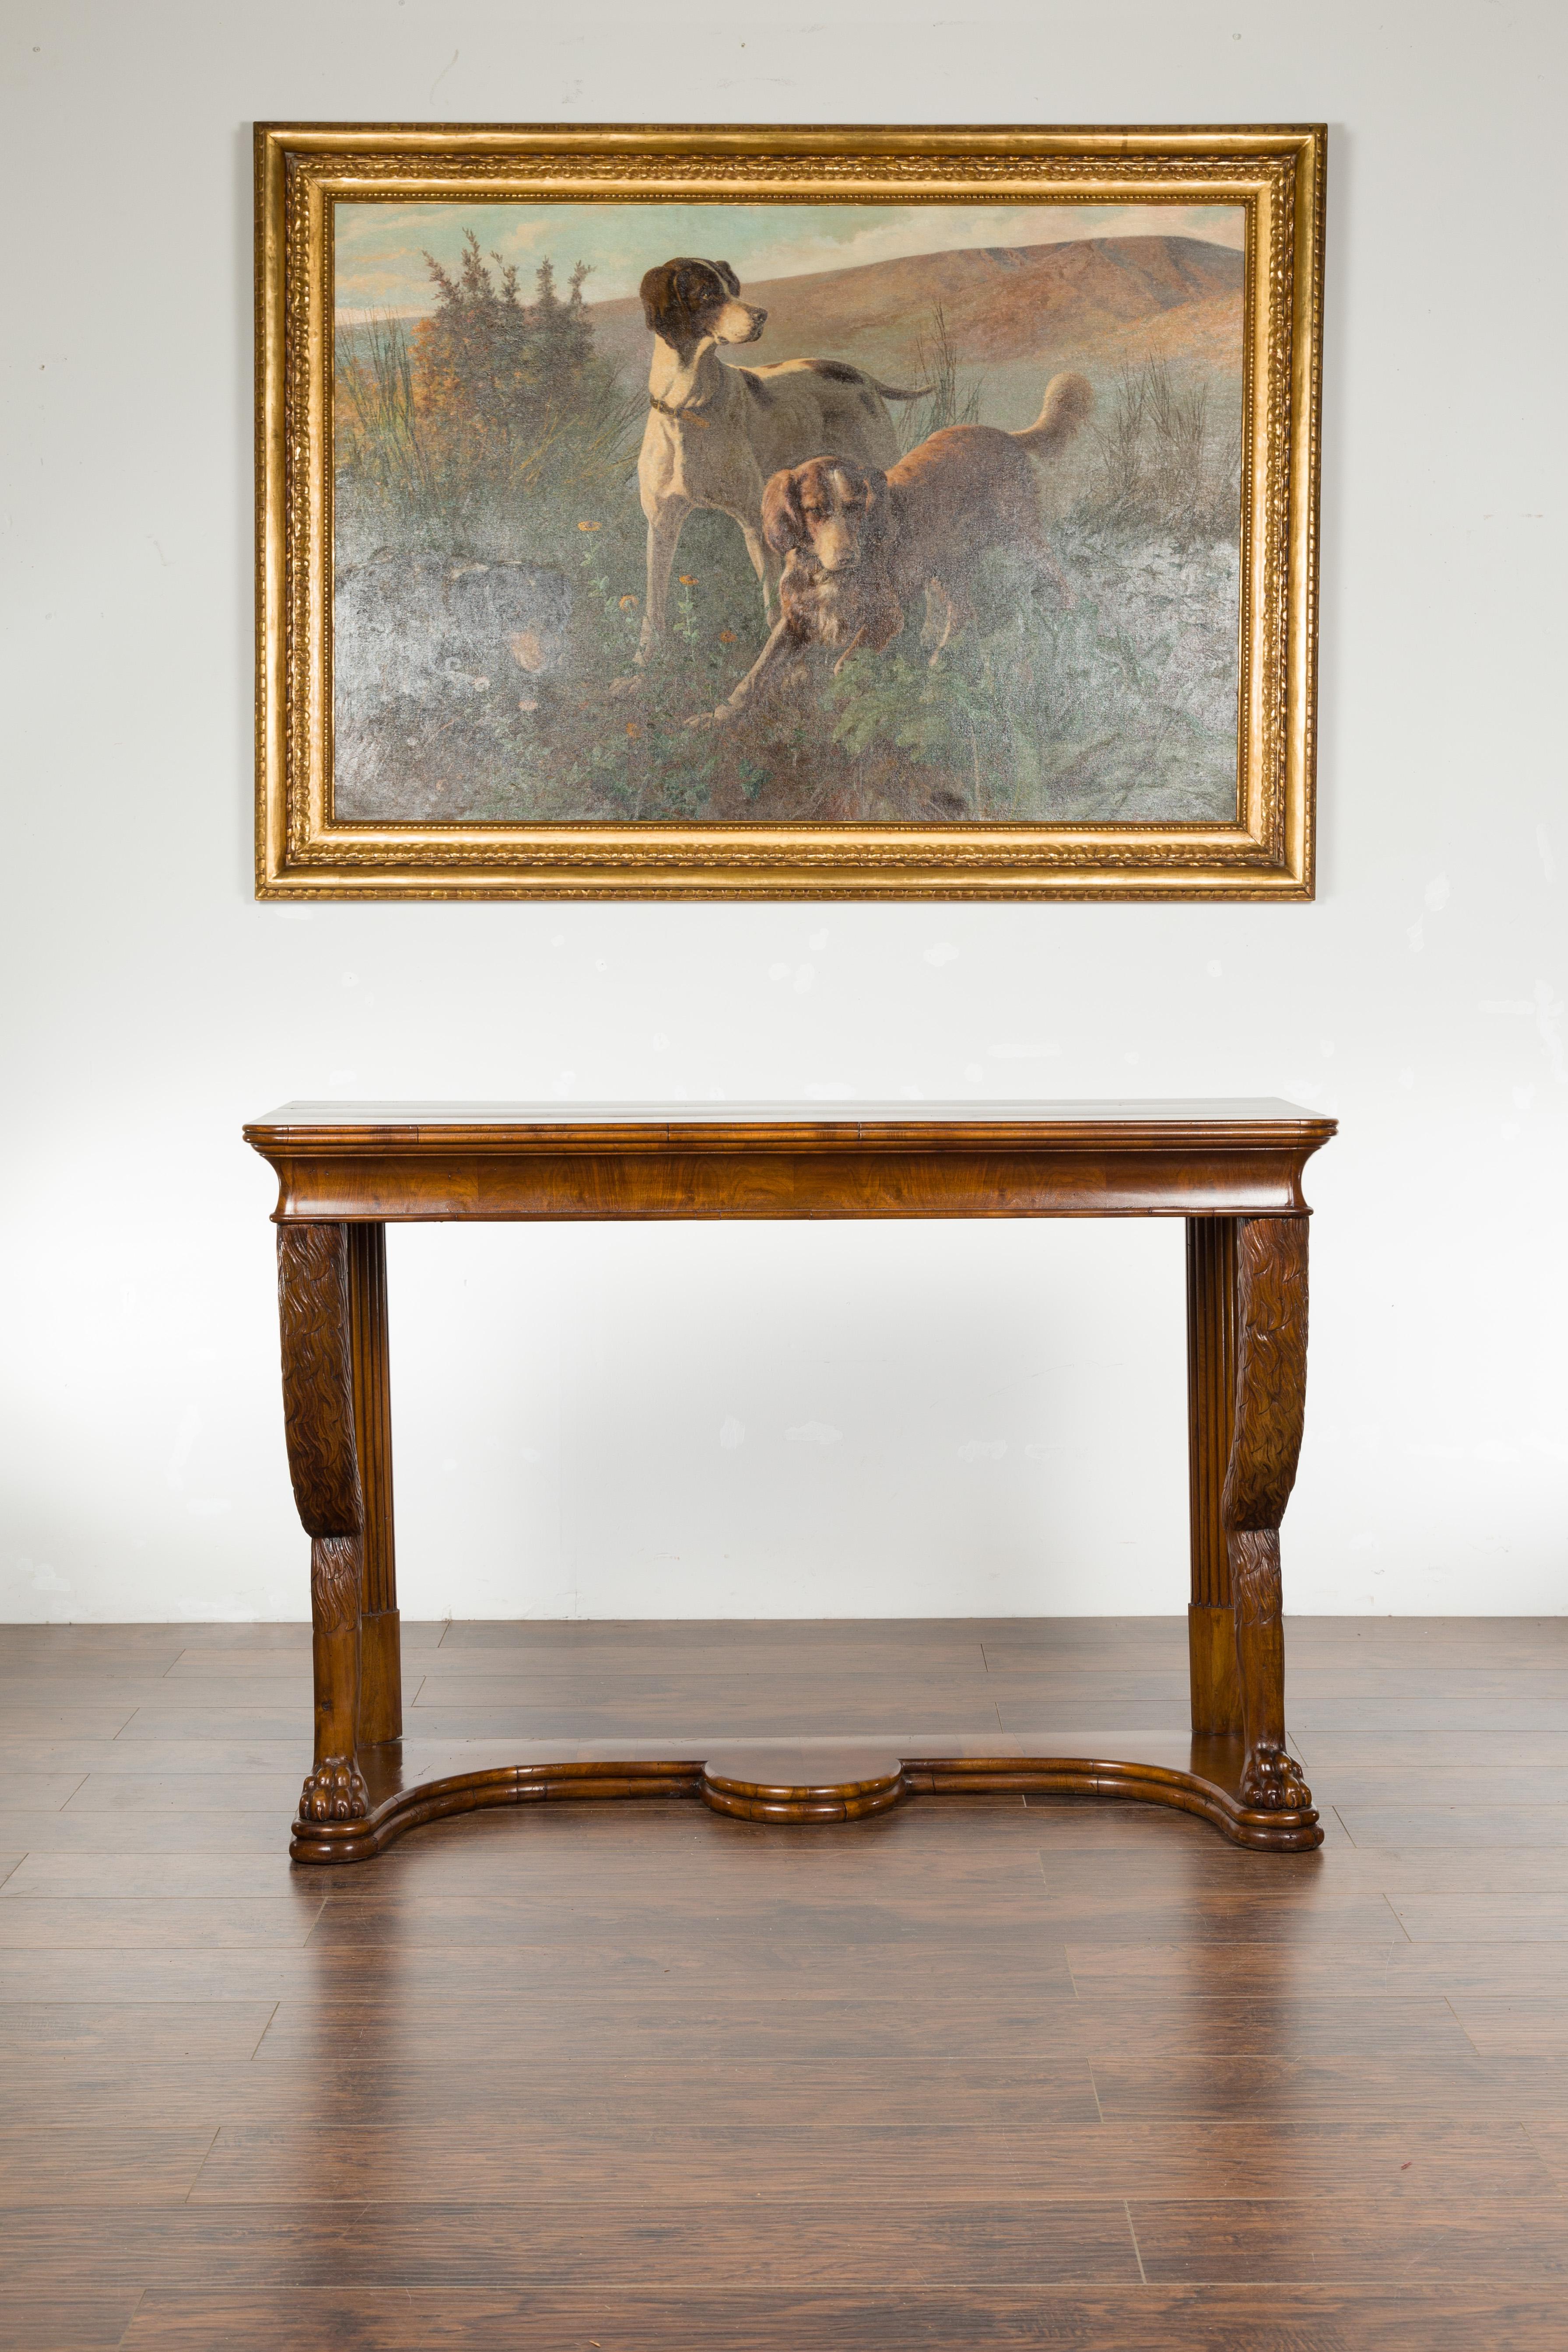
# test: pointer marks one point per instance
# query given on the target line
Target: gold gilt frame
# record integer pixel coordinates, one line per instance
(1275, 173)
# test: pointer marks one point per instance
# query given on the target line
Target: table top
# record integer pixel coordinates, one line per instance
(298, 1122)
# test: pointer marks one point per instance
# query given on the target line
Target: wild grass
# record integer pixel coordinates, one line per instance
(1118, 703)
(1121, 704)
(1164, 464)
(951, 400)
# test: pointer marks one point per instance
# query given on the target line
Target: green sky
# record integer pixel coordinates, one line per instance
(380, 248)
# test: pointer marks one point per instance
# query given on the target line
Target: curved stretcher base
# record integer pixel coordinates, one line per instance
(820, 1782)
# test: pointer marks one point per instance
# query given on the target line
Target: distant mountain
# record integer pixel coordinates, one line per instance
(1016, 312)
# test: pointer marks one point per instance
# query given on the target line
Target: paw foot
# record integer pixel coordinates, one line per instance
(1271, 1783)
(334, 1792)
(622, 690)
(706, 721)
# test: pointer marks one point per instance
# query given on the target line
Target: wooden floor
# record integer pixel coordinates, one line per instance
(977, 2073)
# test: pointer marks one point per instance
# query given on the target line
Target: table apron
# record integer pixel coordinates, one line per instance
(428, 1183)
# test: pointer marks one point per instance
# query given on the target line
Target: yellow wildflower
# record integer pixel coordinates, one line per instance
(628, 603)
(588, 526)
(688, 579)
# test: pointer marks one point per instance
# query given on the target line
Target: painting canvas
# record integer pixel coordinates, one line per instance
(643, 516)
(494, 369)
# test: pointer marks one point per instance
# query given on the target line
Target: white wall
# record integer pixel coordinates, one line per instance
(561, 1393)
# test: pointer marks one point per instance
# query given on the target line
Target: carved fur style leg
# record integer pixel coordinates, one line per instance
(318, 1378)
(1270, 1400)
(318, 1420)
(1271, 1780)
(333, 1790)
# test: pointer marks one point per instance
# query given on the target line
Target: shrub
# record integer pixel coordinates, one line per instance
(480, 433)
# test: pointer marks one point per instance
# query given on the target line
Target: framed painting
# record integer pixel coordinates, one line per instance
(786, 514)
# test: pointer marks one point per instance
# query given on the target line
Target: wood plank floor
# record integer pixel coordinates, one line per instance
(978, 2072)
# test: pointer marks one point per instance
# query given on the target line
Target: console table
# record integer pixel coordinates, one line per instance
(1233, 1170)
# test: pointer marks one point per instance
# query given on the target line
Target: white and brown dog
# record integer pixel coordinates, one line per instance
(715, 435)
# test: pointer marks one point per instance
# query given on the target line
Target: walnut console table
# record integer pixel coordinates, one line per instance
(1233, 1170)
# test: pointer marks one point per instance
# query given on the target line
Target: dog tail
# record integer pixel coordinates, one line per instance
(1069, 400)
(901, 392)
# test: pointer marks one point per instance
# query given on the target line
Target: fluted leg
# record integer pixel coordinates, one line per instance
(314, 1309)
(381, 1648)
(1270, 1397)
(1210, 1420)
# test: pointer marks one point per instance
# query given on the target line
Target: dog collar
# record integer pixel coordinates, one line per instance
(687, 415)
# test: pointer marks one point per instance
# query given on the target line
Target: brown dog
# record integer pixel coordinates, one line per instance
(860, 545)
